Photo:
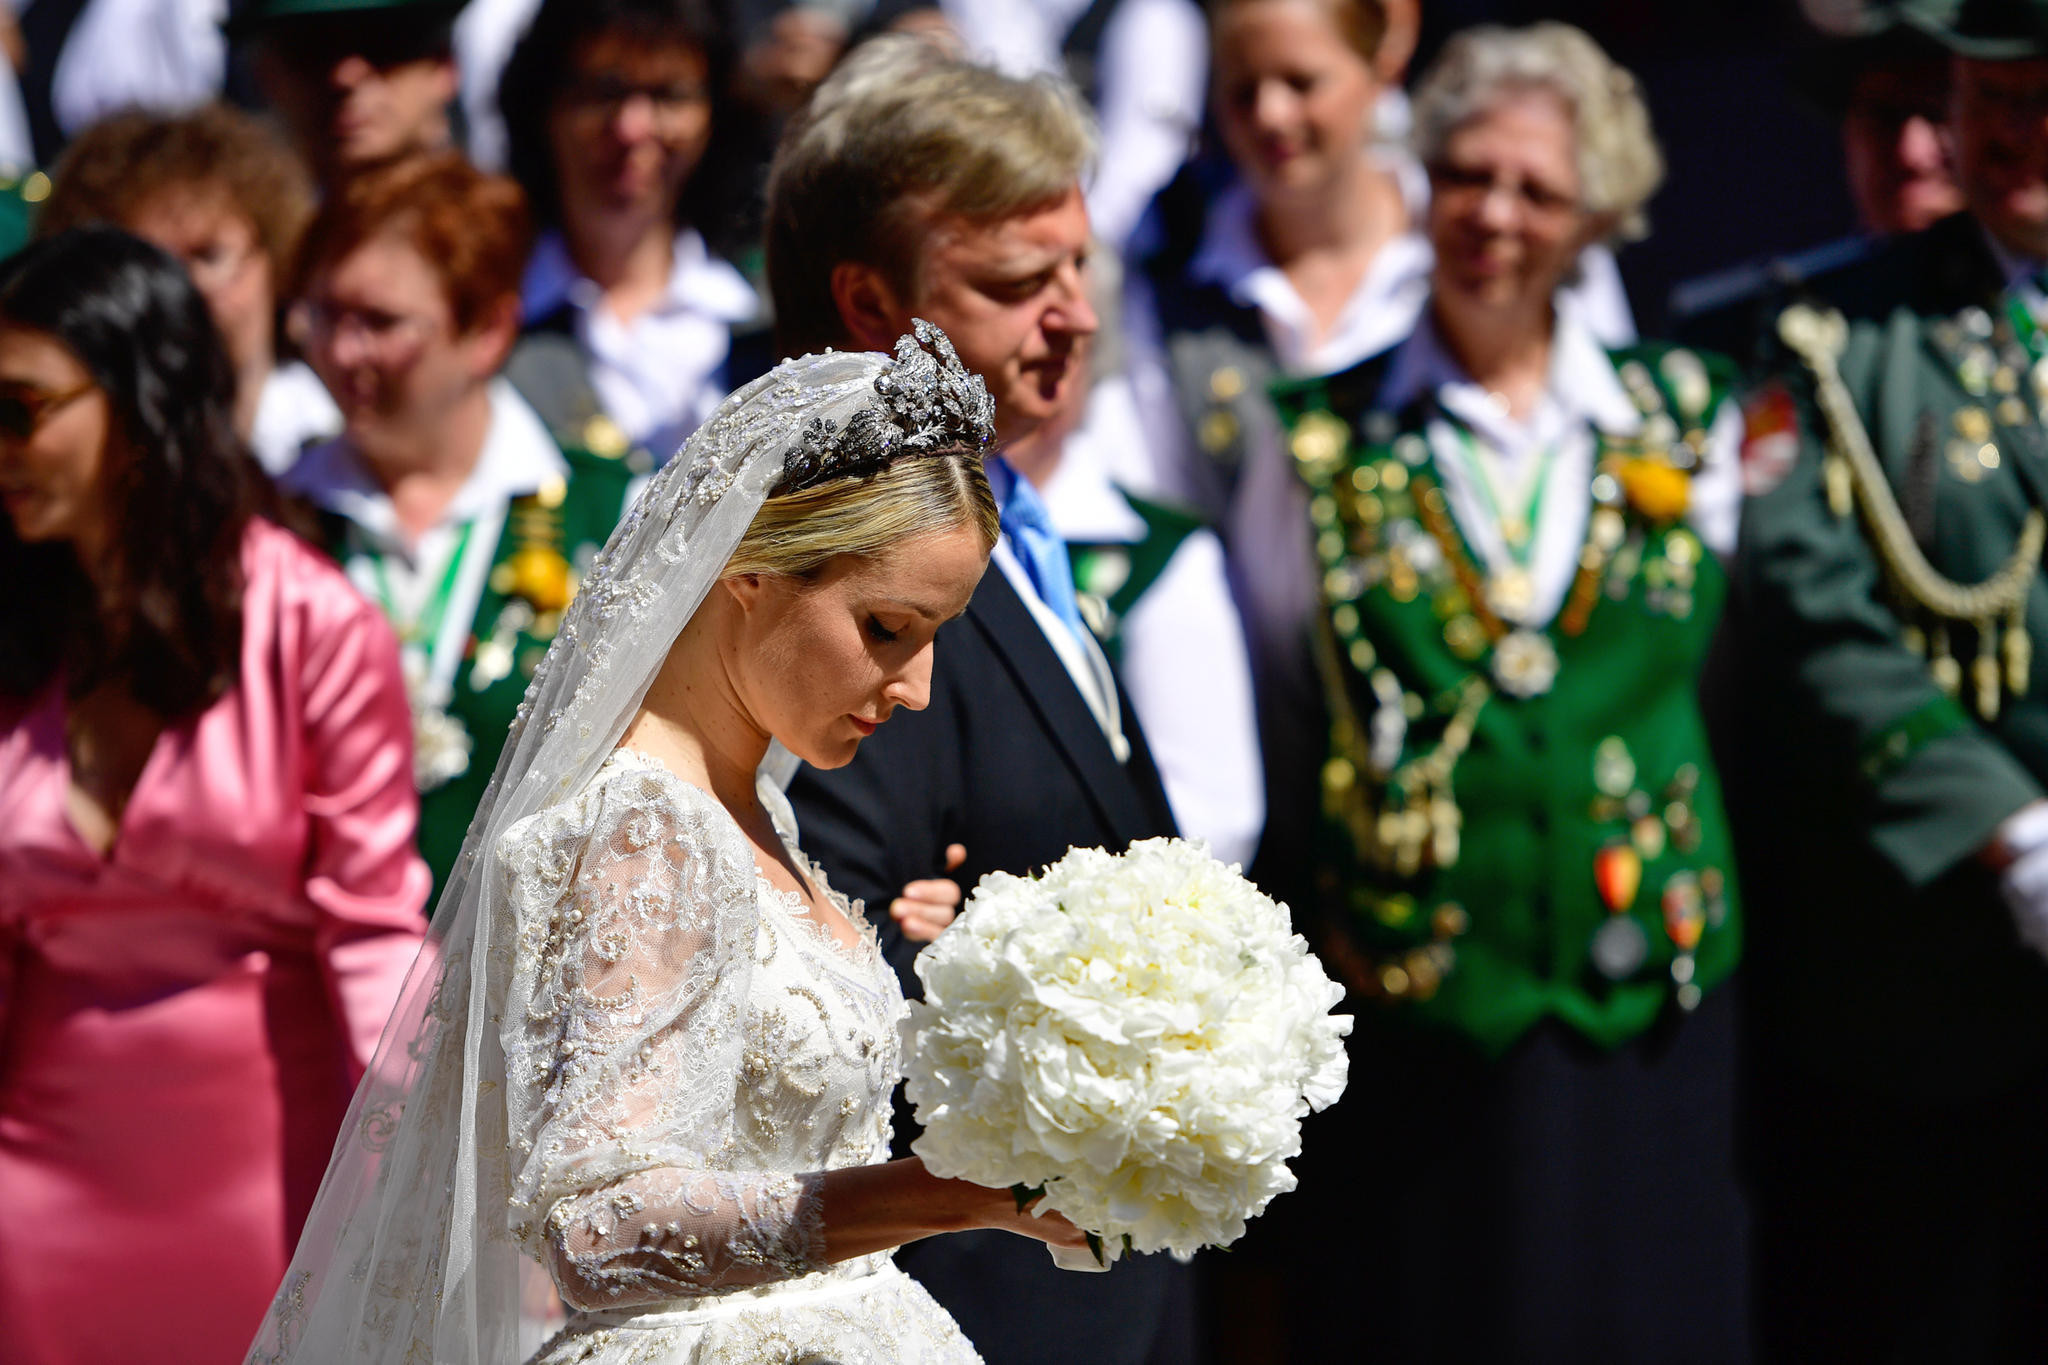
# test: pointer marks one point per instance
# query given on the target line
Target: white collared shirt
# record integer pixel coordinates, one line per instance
(518, 458)
(1184, 662)
(292, 413)
(661, 375)
(1584, 397)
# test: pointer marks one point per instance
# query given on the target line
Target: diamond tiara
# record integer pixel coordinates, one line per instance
(929, 402)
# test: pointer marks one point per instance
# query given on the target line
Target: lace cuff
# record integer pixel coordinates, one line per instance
(671, 1234)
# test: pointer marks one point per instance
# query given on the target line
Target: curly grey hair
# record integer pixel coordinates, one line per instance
(1620, 164)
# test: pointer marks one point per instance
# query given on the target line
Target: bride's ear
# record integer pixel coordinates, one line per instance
(746, 589)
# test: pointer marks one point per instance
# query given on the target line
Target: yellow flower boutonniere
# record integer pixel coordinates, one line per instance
(542, 576)
(1657, 489)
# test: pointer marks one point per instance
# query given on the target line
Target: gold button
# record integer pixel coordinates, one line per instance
(1227, 383)
(552, 492)
(1218, 430)
(604, 437)
(35, 189)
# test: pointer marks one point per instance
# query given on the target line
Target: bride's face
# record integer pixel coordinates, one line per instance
(823, 661)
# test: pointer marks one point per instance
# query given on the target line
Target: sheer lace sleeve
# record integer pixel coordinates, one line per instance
(625, 1039)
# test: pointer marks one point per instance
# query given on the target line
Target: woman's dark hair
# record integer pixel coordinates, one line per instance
(545, 59)
(163, 615)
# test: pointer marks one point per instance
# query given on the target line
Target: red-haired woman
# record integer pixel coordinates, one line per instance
(445, 497)
(208, 891)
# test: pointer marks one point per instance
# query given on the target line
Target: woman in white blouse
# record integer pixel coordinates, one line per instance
(611, 112)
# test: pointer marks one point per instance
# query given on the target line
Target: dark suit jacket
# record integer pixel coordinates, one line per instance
(1008, 761)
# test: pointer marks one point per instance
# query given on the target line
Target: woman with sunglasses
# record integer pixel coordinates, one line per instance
(611, 110)
(1526, 867)
(208, 892)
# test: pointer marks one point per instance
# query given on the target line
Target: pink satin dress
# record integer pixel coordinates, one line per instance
(183, 1020)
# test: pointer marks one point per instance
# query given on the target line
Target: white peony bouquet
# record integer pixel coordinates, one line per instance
(1137, 1035)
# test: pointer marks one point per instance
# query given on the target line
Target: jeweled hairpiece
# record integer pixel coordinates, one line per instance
(929, 402)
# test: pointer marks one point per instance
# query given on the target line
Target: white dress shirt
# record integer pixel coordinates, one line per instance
(165, 56)
(1583, 399)
(1184, 662)
(518, 458)
(661, 375)
(293, 412)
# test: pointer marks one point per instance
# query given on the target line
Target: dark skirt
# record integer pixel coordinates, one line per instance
(1558, 1204)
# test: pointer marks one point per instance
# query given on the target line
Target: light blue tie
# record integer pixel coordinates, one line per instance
(1039, 547)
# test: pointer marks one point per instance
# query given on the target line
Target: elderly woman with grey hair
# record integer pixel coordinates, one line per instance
(1524, 861)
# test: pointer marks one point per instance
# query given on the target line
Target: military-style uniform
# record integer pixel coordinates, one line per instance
(1526, 880)
(1889, 717)
(472, 645)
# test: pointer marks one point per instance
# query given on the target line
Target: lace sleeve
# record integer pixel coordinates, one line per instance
(637, 914)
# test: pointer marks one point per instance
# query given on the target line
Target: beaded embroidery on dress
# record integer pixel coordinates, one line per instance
(619, 1054)
(703, 1039)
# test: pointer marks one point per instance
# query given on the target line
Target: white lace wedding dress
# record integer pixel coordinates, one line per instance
(694, 1050)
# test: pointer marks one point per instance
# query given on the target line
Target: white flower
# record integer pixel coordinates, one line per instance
(1141, 1035)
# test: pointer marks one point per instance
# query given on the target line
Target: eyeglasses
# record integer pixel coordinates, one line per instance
(1473, 184)
(602, 96)
(377, 331)
(24, 407)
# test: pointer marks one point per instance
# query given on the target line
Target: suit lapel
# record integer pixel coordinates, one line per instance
(1014, 636)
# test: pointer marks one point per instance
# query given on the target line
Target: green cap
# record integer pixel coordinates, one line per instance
(250, 17)
(1989, 30)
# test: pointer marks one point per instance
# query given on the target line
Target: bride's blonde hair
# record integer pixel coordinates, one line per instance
(796, 533)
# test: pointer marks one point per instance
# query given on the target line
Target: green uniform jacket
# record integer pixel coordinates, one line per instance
(1863, 789)
(1571, 859)
(546, 546)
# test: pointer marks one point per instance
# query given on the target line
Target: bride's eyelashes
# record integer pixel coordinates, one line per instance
(880, 633)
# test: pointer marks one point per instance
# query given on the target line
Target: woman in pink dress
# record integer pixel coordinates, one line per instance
(208, 890)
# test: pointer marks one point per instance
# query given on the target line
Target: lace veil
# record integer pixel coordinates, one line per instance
(408, 1255)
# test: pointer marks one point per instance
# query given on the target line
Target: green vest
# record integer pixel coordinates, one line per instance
(1518, 823)
(1111, 576)
(549, 541)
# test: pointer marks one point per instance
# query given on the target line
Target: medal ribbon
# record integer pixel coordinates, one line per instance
(424, 631)
(1532, 511)
(2026, 326)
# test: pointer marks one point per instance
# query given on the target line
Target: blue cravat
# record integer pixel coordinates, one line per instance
(1038, 546)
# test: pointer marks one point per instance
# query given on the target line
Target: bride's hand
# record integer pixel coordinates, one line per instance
(1051, 1228)
(926, 907)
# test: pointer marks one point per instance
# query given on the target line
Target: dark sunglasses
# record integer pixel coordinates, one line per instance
(24, 408)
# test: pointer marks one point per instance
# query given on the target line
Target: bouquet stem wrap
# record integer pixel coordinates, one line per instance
(1140, 1034)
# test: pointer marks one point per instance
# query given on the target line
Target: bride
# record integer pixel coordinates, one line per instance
(649, 1053)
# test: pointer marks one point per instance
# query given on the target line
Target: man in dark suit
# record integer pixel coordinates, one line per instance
(1890, 782)
(918, 185)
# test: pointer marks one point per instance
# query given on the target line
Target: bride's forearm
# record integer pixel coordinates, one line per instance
(874, 1208)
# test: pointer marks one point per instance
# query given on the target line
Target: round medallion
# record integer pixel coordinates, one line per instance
(1524, 664)
(1620, 947)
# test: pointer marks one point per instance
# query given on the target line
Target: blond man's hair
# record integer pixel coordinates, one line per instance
(901, 134)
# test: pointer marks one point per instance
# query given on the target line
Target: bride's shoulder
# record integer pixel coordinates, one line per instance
(630, 804)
